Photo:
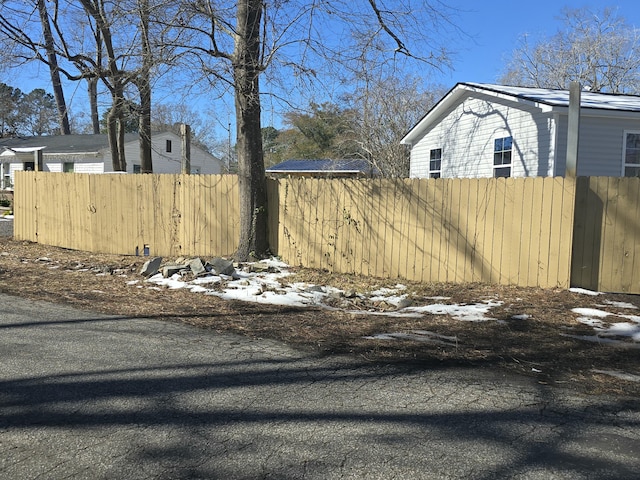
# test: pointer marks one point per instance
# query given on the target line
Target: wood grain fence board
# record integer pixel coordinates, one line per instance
(583, 235)
(414, 262)
(525, 256)
(422, 207)
(435, 220)
(348, 234)
(542, 213)
(400, 206)
(630, 279)
(631, 276)
(498, 234)
(627, 221)
(565, 237)
(471, 235)
(512, 231)
(612, 251)
(486, 218)
(361, 205)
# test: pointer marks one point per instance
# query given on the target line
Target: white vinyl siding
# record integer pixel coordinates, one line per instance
(89, 167)
(601, 143)
(466, 135)
(170, 162)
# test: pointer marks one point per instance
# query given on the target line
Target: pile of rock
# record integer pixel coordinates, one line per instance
(196, 267)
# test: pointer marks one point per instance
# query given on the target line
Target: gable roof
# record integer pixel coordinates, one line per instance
(545, 99)
(64, 143)
(321, 166)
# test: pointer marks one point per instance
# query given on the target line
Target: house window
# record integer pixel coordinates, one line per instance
(168, 149)
(29, 166)
(632, 154)
(435, 163)
(67, 167)
(502, 157)
(136, 168)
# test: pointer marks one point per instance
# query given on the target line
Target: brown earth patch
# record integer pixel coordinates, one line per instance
(532, 346)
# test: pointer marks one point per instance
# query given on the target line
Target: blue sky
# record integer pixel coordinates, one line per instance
(491, 31)
(495, 26)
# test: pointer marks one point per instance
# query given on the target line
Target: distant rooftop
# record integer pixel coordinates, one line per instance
(323, 166)
(64, 143)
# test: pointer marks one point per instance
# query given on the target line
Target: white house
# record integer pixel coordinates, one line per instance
(91, 154)
(482, 130)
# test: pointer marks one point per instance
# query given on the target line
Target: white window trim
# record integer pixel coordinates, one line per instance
(624, 151)
(510, 164)
(439, 172)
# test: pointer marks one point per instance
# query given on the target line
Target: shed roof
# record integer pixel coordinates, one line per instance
(321, 166)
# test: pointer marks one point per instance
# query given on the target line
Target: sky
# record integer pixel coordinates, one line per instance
(490, 31)
(495, 27)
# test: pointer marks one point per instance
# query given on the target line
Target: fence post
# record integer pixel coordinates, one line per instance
(573, 132)
(571, 167)
(38, 163)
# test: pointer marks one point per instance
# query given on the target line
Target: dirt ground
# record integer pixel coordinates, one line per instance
(532, 346)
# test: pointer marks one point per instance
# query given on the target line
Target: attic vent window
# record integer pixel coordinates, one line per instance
(502, 157)
(168, 149)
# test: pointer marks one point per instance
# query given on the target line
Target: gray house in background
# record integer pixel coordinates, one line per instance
(322, 168)
(91, 154)
(483, 130)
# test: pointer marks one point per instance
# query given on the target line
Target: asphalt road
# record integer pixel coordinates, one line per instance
(88, 396)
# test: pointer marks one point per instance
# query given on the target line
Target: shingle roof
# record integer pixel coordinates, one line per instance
(321, 166)
(605, 104)
(64, 143)
(560, 98)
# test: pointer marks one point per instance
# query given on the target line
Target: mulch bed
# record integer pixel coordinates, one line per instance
(532, 346)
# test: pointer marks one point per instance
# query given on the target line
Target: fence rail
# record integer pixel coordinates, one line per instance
(547, 232)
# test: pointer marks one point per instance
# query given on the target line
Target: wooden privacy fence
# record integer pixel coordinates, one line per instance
(167, 215)
(513, 231)
(503, 231)
(606, 247)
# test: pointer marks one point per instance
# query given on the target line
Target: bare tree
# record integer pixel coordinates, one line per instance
(54, 70)
(294, 43)
(598, 50)
(98, 45)
(387, 109)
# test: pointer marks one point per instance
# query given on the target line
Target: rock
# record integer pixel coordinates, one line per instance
(315, 289)
(404, 303)
(151, 267)
(197, 267)
(169, 270)
(350, 294)
(221, 266)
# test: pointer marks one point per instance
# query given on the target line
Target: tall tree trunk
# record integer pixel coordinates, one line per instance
(252, 181)
(144, 87)
(115, 131)
(58, 93)
(92, 91)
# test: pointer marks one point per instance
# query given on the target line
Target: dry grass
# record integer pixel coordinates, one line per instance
(533, 346)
